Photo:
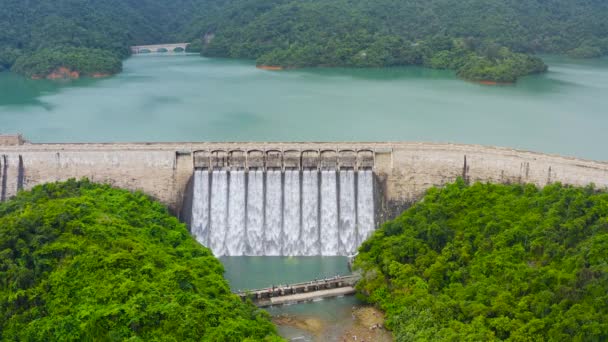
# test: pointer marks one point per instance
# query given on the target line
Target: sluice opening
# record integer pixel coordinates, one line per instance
(282, 203)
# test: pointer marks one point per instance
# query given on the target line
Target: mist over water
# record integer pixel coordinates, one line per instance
(188, 98)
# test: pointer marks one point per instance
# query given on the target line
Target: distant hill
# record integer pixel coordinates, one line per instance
(481, 39)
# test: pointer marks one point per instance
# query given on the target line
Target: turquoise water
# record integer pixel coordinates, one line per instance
(188, 98)
(265, 271)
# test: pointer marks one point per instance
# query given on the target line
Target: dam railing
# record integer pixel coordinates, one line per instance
(284, 159)
(304, 291)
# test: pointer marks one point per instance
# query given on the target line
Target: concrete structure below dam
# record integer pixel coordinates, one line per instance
(402, 171)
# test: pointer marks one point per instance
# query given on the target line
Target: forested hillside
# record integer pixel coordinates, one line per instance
(493, 262)
(85, 262)
(34, 33)
(481, 39)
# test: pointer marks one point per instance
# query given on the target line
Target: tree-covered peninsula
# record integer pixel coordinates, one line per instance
(492, 40)
(68, 62)
(493, 262)
(85, 262)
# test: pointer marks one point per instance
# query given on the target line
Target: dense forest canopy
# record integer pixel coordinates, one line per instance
(481, 39)
(493, 262)
(85, 262)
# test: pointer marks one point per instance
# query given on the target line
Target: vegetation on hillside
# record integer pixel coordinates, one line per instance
(26, 27)
(85, 61)
(481, 39)
(85, 262)
(493, 262)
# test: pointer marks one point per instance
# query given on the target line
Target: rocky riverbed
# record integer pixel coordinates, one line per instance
(365, 325)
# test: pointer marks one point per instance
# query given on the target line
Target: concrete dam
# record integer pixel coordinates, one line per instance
(283, 198)
(283, 202)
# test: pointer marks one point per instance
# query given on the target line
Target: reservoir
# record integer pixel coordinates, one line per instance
(188, 98)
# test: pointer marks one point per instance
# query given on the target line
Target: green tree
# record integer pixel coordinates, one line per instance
(493, 262)
(80, 261)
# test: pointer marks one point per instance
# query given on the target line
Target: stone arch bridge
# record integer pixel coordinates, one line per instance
(159, 48)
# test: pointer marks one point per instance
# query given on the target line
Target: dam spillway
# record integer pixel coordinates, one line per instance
(283, 205)
(402, 172)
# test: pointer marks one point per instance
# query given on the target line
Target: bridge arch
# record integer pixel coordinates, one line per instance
(328, 160)
(202, 159)
(310, 159)
(365, 159)
(237, 159)
(255, 159)
(347, 159)
(274, 159)
(160, 48)
(291, 159)
(219, 159)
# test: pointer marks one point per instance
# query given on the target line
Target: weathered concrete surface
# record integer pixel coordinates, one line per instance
(11, 139)
(403, 170)
(304, 297)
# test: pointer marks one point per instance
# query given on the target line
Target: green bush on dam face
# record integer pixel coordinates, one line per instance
(80, 261)
(493, 262)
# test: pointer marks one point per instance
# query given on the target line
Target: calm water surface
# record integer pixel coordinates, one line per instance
(188, 98)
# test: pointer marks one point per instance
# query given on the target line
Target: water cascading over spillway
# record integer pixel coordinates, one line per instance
(282, 212)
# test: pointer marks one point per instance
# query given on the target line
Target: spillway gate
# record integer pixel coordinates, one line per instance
(289, 203)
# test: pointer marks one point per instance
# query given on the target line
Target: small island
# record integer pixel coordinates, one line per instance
(487, 63)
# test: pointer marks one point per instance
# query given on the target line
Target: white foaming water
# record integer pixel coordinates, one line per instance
(235, 238)
(273, 213)
(347, 230)
(329, 213)
(291, 214)
(200, 207)
(219, 212)
(310, 213)
(365, 205)
(255, 213)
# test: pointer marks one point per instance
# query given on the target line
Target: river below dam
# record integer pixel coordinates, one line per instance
(188, 98)
(334, 314)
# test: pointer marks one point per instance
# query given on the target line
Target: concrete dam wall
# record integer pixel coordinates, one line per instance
(295, 189)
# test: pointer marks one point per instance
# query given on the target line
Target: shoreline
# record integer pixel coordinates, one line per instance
(64, 73)
(270, 67)
(492, 83)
